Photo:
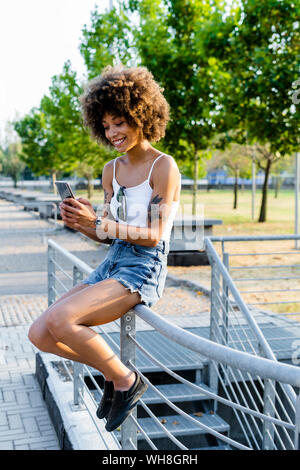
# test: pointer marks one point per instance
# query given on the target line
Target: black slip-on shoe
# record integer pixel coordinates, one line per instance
(106, 400)
(123, 403)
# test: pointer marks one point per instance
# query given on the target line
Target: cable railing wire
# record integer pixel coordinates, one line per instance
(199, 424)
(208, 393)
(242, 343)
(271, 267)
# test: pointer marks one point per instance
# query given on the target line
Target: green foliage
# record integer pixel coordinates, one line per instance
(106, 40)
(39, 146)
(166, 38)
(262, 57)
(53, 136)
(235, 158)
(227, 73)
(169, 40)
(10, 162)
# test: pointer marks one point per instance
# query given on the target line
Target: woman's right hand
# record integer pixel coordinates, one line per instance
(64, 213)
(87, 203)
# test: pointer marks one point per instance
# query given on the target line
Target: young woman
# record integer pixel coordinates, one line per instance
(123, 108)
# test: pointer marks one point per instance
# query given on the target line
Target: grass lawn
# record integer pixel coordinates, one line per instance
(219, 204)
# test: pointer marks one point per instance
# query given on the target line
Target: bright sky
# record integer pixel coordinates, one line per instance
(36, 38)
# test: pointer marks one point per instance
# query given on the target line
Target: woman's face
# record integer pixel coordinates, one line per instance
(122, 136)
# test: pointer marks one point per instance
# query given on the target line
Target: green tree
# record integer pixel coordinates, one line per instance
(11, 163)
(166, 38)
(84, 155)
(107, 40)
(237, 163)
(261, 55)
(92, 165)
(170, 43)
(53, 136)
(39, 145)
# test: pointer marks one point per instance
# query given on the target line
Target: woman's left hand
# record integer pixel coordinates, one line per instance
(78, 214)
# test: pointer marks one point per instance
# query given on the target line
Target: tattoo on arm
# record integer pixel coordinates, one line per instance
(105, 196)
(106, 210)
(153, 209)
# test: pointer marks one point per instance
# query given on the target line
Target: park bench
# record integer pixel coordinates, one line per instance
(46, 205)
(187, 240)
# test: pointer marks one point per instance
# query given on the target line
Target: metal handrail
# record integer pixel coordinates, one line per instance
(81, 265)
(266, 368)
(248, 238)
(239, 301)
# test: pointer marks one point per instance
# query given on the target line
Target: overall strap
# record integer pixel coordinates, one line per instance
(153, 165)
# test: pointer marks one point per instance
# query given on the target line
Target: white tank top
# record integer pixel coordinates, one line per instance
(138, 199)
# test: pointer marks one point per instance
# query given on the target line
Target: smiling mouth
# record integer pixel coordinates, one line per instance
(119, 142)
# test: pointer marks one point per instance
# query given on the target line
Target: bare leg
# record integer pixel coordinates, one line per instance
(69, 320)
(40, 336)
(67, 294)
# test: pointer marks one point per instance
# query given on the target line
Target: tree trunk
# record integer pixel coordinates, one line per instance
(195, 186)
(263, 207)
(90, 187)
(236, 176)
(53, 177)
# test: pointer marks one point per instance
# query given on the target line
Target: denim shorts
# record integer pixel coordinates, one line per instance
(139, 268)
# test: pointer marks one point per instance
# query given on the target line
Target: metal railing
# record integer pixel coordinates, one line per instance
(248, 386)
(233, 324)
(274, 279)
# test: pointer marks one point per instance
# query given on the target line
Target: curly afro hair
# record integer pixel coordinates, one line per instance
(128, 92)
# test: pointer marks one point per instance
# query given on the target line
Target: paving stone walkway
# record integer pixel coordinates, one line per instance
(24, 418)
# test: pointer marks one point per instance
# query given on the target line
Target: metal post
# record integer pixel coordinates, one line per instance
(128, 353)
(214, 324)
(297, 423)
(54, 212)
(269, 410)
(225, 301)
(77, 275)
(51, 275)
(78, 386)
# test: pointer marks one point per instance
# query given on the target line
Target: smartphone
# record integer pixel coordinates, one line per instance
(64, 190)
